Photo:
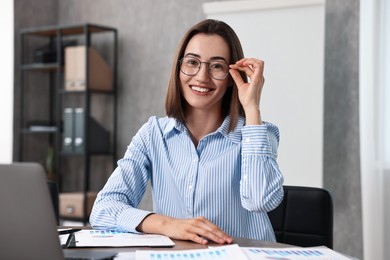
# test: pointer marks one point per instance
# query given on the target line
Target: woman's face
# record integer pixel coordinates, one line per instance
(202, 91)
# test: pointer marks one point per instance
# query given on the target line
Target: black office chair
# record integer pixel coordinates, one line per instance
(53, 188)
(304, 218)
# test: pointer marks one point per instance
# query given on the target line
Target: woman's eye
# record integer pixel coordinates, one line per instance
(192, 62)
(217, 66)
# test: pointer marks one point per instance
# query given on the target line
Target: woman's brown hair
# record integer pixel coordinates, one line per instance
(175, 103)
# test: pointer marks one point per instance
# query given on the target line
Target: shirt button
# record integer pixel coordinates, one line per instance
(247, 139)
(190, 187)
(245, 177)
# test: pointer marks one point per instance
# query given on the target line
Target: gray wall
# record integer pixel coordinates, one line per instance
(34, 13)
(149, 32)
(341, 126)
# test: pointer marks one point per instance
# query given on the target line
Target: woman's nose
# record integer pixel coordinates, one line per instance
(203, 73)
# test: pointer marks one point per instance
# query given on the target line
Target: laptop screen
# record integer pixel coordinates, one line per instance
(27, 219)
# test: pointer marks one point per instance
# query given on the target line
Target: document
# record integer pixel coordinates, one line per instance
(125, 256)
(293, 253)
(237, 253)
(117, 238)
(221, 252)
(64, 239)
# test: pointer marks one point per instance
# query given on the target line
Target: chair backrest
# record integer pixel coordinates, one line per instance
(53, 188)
(304, 218)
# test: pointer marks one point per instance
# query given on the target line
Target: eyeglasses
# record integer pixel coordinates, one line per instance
(217, 69)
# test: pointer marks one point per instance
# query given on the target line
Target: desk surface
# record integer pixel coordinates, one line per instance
(183, 245)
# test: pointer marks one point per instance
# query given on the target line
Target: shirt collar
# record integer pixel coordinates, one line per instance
(234, 136)
(169, 126)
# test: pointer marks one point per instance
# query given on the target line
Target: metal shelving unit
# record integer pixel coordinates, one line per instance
(52, 74)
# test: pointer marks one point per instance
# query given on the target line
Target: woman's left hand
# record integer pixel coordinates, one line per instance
(249, 93)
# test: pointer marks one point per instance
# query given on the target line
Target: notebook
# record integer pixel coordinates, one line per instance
(27, 221)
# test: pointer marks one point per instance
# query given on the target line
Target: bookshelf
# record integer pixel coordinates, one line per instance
(68, 68)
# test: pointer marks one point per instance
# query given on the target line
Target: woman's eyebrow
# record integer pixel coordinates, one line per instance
(212, 58)
(192, 54)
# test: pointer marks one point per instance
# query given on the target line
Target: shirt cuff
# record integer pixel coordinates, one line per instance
(130, 218)
(255, 140)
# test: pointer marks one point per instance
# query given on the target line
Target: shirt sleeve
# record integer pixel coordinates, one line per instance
(261, 184)
(116, 204)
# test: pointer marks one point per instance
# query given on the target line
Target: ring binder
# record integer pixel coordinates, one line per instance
(74, 139)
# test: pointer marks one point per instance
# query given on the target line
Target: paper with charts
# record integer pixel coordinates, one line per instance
(293, 253)
(223, 252)
(235, 252)
(117, 238)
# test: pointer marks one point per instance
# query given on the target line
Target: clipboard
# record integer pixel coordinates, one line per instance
(116, 238)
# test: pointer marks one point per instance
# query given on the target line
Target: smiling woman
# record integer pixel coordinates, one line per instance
(202, 92)
(211, 161)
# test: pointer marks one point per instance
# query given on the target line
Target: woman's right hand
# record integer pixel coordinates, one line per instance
(198, 230)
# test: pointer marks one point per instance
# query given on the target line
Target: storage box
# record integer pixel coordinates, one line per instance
(72, 203)
(99, 72)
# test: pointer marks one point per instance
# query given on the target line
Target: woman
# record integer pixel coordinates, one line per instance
(211, 161)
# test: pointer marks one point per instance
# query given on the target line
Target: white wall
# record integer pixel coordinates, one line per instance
(6, 79)
(374, 98)
(289, 36)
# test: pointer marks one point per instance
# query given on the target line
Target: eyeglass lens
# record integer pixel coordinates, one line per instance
(217, 69)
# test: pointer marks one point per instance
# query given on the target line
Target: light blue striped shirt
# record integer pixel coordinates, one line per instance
(232, 179)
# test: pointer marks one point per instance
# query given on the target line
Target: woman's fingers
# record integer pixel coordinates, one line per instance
(236, 77)
(249, 93)
(252, 67)
(199, 230)
(210, 231)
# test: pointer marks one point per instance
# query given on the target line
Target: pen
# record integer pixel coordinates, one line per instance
(68, 231)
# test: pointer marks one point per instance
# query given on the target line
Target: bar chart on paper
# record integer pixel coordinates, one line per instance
(118, 238)
(236, 253)
(215, 253)
(318, 253)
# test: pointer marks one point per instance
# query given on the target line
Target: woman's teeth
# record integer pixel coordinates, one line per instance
(200, 89)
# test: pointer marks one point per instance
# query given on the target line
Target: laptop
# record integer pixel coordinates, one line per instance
(27, 220)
